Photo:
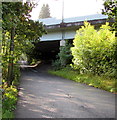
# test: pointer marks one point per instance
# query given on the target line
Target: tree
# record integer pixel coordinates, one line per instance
(45, 11)
(110, 9)
(18, 33)
(64, 57)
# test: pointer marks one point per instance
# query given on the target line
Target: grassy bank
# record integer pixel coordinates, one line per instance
(101, 82)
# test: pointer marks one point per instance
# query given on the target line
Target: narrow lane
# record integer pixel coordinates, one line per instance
(46, 96)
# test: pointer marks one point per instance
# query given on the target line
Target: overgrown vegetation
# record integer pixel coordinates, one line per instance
(101, 82)
(94, 58)
(9, 101)
(18, 35)
(64, 57)
(93, 50)
(9, 94)
(110, 9)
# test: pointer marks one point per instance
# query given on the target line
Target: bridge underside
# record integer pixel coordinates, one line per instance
(49, 44)
(47, 50)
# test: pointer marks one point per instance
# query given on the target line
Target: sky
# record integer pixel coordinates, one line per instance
(72, 8)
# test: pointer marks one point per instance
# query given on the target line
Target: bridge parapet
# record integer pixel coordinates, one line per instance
(56, 29)
(77, 24)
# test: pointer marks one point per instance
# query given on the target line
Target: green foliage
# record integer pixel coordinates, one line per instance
(93, 51)
(9, 101)
(33, 61)
(9, 96)
(101, 82)
(19, 34)
(56, 64)
(110, 9)
(8, 115)
(64, 56)
(16, 74)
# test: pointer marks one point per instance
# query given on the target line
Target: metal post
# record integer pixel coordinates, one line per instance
(62, 11)
(62, 42)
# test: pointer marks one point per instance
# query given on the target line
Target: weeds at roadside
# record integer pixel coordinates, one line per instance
(101, 82)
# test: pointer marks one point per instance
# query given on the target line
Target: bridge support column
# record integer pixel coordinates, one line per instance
(62, 43)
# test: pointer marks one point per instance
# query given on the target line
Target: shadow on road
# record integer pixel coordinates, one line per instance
(46, 96)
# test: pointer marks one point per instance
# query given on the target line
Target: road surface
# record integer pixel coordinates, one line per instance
(43, 95)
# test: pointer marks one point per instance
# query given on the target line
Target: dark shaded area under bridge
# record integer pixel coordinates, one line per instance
(47, 50)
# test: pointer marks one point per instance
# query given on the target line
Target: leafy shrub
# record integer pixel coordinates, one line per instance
(56, 64)
(8, 114)
(93, 50)
(16, 74)
(9, 101)
(64, 57)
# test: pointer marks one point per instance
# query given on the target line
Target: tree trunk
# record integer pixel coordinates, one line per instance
(10, 76)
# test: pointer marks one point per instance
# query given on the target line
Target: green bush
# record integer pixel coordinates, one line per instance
(9, 101)
(16, 74)
(64, 57)
(7, 115)
(9, 96)
(94, 51)
(56, 64)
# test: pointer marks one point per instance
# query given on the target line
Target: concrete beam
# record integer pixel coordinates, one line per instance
(76, 24)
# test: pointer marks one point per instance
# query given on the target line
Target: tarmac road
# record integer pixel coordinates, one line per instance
(43, 95)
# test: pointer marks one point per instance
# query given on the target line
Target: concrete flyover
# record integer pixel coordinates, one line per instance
(48, 47)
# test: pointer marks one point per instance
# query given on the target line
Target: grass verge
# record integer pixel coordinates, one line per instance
(101, 82)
